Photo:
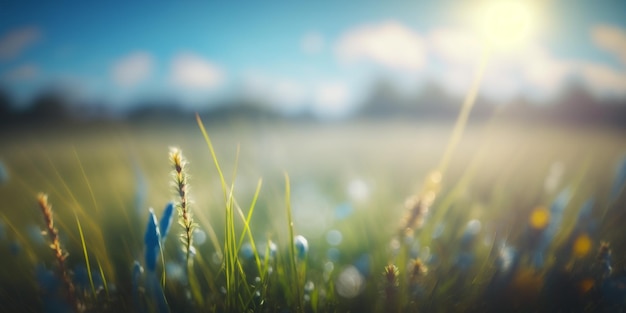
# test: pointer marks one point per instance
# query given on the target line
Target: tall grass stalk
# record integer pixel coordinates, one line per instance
(185, 220)
(461, 121)
(292, 248)
(182, 187)
(86, 254)
(59, 254)
(230, 261)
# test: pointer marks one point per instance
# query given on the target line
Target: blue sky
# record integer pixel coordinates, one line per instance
(320, 55)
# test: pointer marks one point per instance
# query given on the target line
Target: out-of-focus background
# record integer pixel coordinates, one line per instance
(322, 60)
(356, 101)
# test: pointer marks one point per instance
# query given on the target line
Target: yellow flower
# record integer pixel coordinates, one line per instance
(539, 218)
(582, 246)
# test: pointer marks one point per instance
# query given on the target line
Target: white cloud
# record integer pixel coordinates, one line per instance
(389, 44)
(191, 71)
(325, 98)
(455, 46)
(312, 43)
(132, 69)
(24, 72)
(14, 42)
(611, 39)
(532, 70)
(332, 100)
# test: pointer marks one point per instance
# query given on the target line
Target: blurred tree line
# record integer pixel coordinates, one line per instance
(576, 104)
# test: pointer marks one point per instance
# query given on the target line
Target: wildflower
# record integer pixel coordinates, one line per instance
(81, 277)
(152, 242)
(49, 285)
(268, 249)
(363, 264)
(302, 247)
(464, 260)
(136, 276)
(507, 257)
(166, 220)
(246, 252)
(469, 234)
(582, 245)
(548, 223)
(539, 218)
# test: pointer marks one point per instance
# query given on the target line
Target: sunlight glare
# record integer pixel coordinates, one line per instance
(506, 24)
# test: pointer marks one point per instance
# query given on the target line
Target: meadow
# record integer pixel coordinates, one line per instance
(314, 217)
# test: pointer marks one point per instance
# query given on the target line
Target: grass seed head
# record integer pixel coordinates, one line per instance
(59, 254)
(417, 269)
(182, 188)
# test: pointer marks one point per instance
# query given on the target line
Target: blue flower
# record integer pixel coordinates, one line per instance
(151, 242)
(137, 273)
(556, 215)
(469, 234)
(246, 251)
(166, 220)
(464, 260)
(363, 264)
(302, 247)
(48, 282)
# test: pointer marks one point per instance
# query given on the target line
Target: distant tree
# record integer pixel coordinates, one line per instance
(6, 107)
(49, 105)
(384, 99)
(577, 104)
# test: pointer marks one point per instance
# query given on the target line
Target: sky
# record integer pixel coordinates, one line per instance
(321, 56)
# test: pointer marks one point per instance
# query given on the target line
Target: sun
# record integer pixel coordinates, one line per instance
(506, 24)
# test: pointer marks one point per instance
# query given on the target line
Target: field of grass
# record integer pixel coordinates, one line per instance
(511, 227)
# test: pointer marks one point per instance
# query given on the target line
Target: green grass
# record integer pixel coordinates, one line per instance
(496, 176)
